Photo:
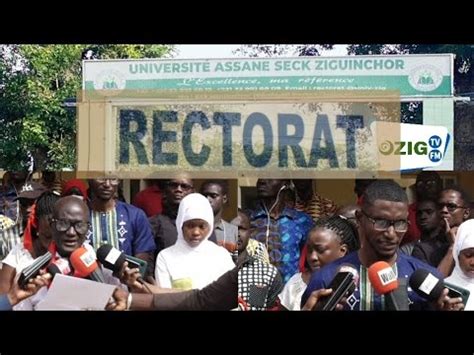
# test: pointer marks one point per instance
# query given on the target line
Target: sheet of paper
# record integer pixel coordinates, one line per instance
(72, 293)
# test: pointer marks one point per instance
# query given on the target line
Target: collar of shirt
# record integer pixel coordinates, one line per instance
(220, 225)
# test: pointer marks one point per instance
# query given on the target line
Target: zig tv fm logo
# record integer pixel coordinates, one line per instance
(431, 148)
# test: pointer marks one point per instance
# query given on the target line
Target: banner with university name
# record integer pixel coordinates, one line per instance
(411, 75)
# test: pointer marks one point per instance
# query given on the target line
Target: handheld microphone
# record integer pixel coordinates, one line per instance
(430, 287)
(384, 281)
(343, 283)
(60, 266)
(33, 269)
(426, 285)
(85, 265)
(113, 259)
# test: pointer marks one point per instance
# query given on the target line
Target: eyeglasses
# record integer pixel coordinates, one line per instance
(450, 206)
(382, 225)
(174, 185)
(62, 225)
(112, 181)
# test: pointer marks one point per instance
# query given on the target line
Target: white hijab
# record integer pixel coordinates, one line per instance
(464, 240)
(184, 266)
(194, 206)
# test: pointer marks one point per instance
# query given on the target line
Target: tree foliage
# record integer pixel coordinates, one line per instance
(463, 62)
(35, 81)
(274, 50)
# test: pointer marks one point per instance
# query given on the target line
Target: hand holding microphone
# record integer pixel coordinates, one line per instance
(115, 260)
(33, 270)
(84, 263)
(385, 282)
(17, 294)
(60, 266)
(431, 288)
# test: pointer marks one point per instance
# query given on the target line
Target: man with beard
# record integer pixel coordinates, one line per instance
(119, 224)
(382, 222)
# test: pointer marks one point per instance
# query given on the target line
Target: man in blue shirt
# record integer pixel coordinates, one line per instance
(281, 229)
(382, 221)
(119, 224)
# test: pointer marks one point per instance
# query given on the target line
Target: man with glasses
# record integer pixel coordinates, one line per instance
(453, 205)
(69, 227)
(382, 221)
(69, 212)
(119, 224)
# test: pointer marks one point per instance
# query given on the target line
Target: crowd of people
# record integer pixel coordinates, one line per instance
(285, 252)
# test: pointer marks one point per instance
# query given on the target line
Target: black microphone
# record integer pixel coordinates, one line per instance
(430, 287)
(344, 283)
(60, 266)
(33, 270)
(113, 259)
(426, 285)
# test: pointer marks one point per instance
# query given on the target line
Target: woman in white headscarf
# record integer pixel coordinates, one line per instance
(463, 253)
(193, 262)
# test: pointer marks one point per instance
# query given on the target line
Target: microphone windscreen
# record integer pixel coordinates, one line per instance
(83, 261)
(110, 257)
(426, 285)
(382, 277)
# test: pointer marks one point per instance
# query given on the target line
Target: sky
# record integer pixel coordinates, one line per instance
(187, 51)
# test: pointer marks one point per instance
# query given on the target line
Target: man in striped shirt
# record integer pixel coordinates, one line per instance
(119, 224)
(310, 202)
